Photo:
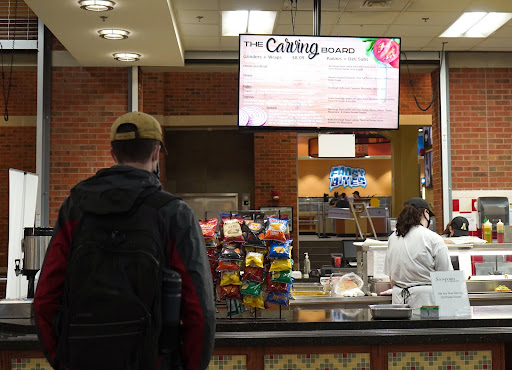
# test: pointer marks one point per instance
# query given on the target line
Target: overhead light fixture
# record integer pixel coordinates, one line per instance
(253, 21)
(97, 5)
(477, 24)
(113, 34)
(127, 57)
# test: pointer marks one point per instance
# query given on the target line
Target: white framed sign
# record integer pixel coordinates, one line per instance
(450, 293)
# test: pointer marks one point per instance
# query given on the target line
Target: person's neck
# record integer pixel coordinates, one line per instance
(141, 166)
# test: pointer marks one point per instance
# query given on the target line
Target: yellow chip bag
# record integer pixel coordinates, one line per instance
(254, 259)
(253, 301)
(230, 278)
(281, 265)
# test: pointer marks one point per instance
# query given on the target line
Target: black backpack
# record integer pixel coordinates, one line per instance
(111, 307)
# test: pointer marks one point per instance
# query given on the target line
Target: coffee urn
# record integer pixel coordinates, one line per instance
(33, 246)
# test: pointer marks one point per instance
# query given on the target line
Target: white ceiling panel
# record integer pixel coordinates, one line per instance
(300, 29)
(201, 43)
(368, 18)
(359, 31)
(420, 31)
(250, 4)
(489, 6)
(457, 45)
(195, 4)
(194, 30)
(207, 16)
(356, 5)
(414, 43)
(229, 43)
(309, 4)
(426, 18)
(438, 5)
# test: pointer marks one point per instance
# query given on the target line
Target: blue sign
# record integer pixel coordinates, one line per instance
(347, 176)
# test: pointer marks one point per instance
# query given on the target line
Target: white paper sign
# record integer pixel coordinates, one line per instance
(450, 293)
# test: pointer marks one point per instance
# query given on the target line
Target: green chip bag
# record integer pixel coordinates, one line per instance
(282, 276)
(251, 288)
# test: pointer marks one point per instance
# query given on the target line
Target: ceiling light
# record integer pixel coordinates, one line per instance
(127, 57)
(476, 24)
(113, 34)
(97, 5)
(488, 24)
(234, 22)
(261, 22)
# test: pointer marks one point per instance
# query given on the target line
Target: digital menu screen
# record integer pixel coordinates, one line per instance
(300, 82)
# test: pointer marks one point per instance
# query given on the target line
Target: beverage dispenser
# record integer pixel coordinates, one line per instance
(34, 245)
(494, 209)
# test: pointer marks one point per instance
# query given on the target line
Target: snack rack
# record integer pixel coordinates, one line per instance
(256, 254)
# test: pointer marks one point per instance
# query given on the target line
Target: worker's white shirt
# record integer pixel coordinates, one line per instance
(409, 261)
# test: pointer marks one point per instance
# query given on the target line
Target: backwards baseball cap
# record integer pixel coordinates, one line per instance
(460, 226)
(419, 203)
(147, 128)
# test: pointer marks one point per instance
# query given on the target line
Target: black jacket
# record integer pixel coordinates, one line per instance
(108, 190)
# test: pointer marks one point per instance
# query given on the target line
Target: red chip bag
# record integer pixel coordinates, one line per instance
(227, 266)
(253, 274)
(230, 291)
(278, 287)
(208, 227)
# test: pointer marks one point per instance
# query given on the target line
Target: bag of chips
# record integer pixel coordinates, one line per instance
(232, 230)
(254, 301)
(253, 274)
(277, 298)
(209, 227)
(230, 291)
(278, 287)
(251, 288)
(231, 252)
(254, 259)
(276, 229)
(230, 278)
(227, 266)
(281, 265)
(211, 243)
(280, 250)
(282, 276)
(254, 233)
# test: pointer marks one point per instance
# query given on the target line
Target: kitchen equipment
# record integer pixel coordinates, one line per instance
(33, 246)
(391, 311)
(494, 209)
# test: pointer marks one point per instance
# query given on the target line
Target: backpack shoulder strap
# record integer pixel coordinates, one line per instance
(158, 199)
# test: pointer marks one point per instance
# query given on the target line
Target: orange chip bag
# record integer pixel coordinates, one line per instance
(276, 229)
(208, 227)
(227, 266)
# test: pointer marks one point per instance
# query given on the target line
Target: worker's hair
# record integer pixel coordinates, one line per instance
(409, 217)
(135, 150)
(447, 230)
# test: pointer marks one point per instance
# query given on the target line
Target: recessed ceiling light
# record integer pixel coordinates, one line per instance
(252, 21)
(477, 24)
(127, 57)
(261, 22)
(113, 34)
(97, 5)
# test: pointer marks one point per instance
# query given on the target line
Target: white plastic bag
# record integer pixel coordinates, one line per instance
(348, 285)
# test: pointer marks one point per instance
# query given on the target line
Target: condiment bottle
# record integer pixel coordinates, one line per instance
(307, 265)
(500, 230)
(487, 231)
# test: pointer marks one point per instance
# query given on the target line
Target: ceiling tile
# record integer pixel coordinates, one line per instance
(368, 18)
(439, 5)
(356, 5)
(359, 30)
(309, 4)
(505, 31)
(433, 18)
(208, 16)
(196, 5)
(206, 30)
(201, 43)
(419, 31)
(489, 6)
(229, 43)
(300, 29)
(494, 42)
(414, 43)
(250, 4)
(452, 44)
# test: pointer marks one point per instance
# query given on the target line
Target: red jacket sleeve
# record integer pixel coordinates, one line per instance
(51, 284)
(188, 257)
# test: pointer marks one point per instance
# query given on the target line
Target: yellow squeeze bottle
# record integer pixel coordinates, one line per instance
(487, 231)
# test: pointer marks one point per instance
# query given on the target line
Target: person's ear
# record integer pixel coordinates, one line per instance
(113, 155)
(156, 153)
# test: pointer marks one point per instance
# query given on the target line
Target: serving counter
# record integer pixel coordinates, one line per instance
(329, 339)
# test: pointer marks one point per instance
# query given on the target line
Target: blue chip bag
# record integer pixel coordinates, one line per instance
(277, 298)
(281, 250)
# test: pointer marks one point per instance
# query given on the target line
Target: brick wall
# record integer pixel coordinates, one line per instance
(190, 93)
(436, 154)
(85, 102)
(480, 121)
(17, 147)
(275, 168)
(422, 89)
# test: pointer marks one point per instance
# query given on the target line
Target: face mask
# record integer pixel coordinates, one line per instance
(157, 171)
(428, 221)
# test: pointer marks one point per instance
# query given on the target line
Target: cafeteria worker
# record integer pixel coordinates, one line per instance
(413, 252)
